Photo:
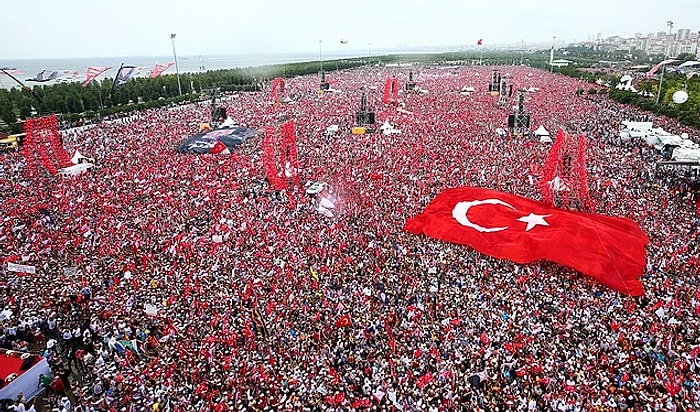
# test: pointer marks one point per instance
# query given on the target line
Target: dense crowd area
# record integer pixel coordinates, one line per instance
(145, 309)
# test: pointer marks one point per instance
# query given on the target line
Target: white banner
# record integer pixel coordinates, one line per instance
(13, 267)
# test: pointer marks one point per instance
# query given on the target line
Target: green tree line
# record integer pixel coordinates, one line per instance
(72, 101)
(687, 113)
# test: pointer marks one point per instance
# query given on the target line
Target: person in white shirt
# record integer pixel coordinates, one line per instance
(65, 404)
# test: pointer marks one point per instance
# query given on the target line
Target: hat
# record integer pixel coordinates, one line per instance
(51, 343)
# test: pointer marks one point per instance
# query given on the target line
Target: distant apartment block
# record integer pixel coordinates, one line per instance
(683, 41)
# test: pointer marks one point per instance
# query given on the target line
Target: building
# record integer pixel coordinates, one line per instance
(683, 41)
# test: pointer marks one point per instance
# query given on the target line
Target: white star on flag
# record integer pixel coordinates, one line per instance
(533, 220)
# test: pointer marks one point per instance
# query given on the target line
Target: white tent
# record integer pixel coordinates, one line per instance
(543, 134)
(541, 131)
(626, 83)
(332, 129)
(690, 63)
(74, 170)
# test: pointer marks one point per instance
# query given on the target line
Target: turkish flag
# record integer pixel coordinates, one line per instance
(480, 42)
(361, 403)
(343, 321)
(219, 148)
(507, 226)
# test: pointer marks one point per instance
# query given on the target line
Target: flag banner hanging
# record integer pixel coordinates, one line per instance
(92, 72)
(658, 66)
(44, 76)
(13, 267)
(42, 146)
(277, 91)
(507, 226)
(391, 91)
(125, 74)
(159, 69)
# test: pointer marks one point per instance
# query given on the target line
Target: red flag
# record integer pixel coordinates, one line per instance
(361, 403)
(424, 380)
(220, 148)
(343, 321)
(92, 72)
(507, 226)
(160, 68)
(480, 42)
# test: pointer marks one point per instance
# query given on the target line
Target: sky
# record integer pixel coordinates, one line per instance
(43, 29)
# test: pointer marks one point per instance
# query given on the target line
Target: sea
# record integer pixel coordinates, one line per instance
(73, 70)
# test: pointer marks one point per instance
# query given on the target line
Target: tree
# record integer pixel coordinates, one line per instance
(686, 57)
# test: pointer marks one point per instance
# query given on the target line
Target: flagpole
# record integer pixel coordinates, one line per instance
(99, 92)
(663, 68)
(661, 81)
(114, 83)
(320, 56)
(24, 86)
(177, 70)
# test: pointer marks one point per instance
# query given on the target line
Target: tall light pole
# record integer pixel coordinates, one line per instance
(669, 23)
(201, 69)
(320, 55)
(551, 55)
(177, 69)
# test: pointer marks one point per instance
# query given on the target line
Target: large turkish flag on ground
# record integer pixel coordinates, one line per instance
(506, 226)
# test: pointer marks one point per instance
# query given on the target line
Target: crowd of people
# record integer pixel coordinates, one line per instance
(172, 282)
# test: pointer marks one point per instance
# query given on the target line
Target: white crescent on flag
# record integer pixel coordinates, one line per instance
(460, 214)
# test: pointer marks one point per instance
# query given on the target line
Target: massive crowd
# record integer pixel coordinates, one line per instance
(138, 306)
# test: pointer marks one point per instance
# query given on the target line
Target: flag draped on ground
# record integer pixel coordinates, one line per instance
(92, 72)
(507, 226)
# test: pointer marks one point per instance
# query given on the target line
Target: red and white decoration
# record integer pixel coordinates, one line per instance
(391, 91)
(564, 177)
(277, 91)
(42, 141)
(280, 158)
(92, 72)
(159, 69)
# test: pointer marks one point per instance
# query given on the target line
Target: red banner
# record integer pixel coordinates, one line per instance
(159, 69)
(92, 72)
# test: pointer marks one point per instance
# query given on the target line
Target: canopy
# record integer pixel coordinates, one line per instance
(202, 143)
(689, 64)
(541, 131)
